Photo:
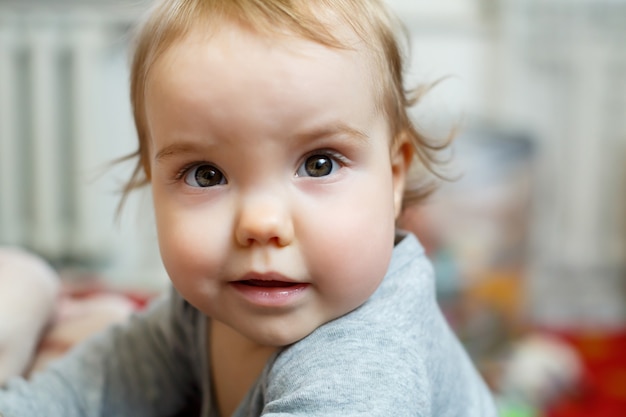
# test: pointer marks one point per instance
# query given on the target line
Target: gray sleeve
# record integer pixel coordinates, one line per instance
(335, 378)
(136, 369)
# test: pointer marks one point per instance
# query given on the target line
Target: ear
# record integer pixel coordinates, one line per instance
(401, 157)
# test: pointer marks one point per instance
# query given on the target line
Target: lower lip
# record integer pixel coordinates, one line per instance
(270, 296)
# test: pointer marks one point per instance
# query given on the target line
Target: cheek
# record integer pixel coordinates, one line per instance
(354, 244)
(188, 241)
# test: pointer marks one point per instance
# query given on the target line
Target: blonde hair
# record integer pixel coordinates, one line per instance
(170, 20)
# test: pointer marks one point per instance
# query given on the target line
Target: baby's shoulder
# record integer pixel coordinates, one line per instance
(343, 366)
(354, 347)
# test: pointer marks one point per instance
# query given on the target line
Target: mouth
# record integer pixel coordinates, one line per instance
(270, 290)
(266, 280)
(267, 283)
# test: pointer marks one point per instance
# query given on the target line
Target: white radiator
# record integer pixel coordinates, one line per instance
(62, 79)
(574, 83)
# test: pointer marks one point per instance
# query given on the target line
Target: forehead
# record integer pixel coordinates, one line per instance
(269, 84)
(241, 69)
(237, 45)
(221, 35)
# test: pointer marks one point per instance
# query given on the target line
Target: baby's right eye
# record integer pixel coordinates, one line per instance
(204, 175)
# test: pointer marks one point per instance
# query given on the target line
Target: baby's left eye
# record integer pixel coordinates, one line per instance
(204, 175)
(318, 165)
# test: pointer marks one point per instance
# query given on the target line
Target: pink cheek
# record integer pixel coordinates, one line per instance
(178, 247)
(364, 245)
(353, 251)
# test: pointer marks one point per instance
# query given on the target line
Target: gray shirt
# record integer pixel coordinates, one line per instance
(393, 356)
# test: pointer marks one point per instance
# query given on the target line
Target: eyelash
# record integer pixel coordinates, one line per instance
(334, 155)
(337, 156)
(185, 169)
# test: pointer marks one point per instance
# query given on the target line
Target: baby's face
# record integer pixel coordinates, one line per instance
(274, 186)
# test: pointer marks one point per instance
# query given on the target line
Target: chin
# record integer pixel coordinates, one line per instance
(274, 336)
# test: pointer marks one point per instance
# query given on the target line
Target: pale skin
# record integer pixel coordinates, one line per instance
(276, 187)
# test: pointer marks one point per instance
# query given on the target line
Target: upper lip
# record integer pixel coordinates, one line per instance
(266, 276)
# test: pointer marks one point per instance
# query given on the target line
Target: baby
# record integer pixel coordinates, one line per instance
(275, 137)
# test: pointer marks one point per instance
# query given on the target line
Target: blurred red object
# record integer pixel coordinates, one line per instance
(603, 390)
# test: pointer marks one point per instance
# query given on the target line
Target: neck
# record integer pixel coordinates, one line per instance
(236, 363)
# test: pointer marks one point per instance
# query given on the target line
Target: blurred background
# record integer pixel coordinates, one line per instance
(529, 243)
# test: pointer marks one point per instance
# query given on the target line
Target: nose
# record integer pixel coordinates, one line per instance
(264, 220)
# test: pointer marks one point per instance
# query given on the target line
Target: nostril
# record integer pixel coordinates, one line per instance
(275, 241)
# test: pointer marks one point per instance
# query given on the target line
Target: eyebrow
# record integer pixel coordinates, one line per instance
(186, 148)
(176, 149)
(332, 130)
